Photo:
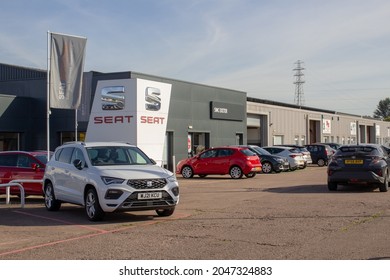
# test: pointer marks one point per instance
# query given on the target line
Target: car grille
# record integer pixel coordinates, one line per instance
(147, 184)
(133, 202)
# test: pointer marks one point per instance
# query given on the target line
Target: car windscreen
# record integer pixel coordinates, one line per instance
(261, 151)
(42, 158)
(110, 155)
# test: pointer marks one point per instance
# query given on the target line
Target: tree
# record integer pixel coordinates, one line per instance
(383, 109)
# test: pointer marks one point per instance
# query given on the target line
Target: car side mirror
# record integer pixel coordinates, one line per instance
(35, 166)
(78, 164)
(153, 161)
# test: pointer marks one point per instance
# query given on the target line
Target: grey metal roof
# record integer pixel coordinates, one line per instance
(14, 73)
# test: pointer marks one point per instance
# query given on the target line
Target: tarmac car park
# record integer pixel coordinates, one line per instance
(289, 215)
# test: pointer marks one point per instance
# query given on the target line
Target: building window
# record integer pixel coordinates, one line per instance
(9, 141)
(69, 137)
(278, 139)
(296, 139)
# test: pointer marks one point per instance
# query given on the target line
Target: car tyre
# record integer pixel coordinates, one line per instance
(250, 175)
(293, 168)
(321, 162)
(235, 172)
(51, 203)
(92, 207)
(384, 187)
(332, 186)
(267, 167)
(165, 212)
(187, 172)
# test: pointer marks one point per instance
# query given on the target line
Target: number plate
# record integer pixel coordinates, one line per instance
(353, 161)
(150, 195)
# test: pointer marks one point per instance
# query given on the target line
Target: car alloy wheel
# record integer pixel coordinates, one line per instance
(267, 167)
(321, 162)
(187, 172)
(235, 172)
(92, 206)
(51, 203)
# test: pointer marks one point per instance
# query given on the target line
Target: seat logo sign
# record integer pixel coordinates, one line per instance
(152, 99)
(113, 98)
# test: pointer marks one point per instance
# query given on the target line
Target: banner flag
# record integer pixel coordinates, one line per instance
(66, 70)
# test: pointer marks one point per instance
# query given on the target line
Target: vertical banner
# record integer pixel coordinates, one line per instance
(66, 70)
(326, 126)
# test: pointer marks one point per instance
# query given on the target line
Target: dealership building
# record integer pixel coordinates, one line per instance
(179, 116)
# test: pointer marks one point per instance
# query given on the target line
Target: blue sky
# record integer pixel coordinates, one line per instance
(246, 45)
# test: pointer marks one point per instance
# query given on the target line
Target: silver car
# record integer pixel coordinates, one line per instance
(107, 177)
(294, 157)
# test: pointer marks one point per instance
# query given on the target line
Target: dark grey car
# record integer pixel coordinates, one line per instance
(269, 161)
(366, 164)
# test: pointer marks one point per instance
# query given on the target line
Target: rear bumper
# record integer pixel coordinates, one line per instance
(367, 177)
(257, 169)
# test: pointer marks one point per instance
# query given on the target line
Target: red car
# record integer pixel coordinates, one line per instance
(235, 161)
(18, 165)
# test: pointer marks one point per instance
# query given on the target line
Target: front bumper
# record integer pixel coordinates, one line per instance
(167, 196)
(284, 166)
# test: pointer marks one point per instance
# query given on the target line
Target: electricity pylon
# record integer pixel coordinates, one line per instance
(299, 81)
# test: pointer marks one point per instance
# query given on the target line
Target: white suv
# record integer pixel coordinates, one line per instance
(107, 177)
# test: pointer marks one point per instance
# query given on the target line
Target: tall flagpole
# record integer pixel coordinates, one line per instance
(48, 96)
(75, 124)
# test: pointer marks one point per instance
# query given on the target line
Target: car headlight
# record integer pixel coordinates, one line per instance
(112, 180)
(172, 179)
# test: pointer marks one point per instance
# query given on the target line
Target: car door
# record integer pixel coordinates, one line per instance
(28, 168)
(386, 155)
(77, 178)
(7, 170)
(204, 164)
(221, 163)
(61, 172)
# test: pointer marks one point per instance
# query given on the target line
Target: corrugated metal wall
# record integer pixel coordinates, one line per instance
(12, 73)
(293, 125)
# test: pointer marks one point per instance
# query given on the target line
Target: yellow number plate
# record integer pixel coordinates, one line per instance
(353, 161)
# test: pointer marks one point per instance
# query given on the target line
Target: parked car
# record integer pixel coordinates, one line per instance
(302, 149)
(235, 161)
(334, 146)
(320, 153)
(20, 165)
(270, 163)
(294, 157)
(108, 177)
(359, 164)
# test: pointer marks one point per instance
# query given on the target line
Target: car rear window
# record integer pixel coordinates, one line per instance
(358, 149)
